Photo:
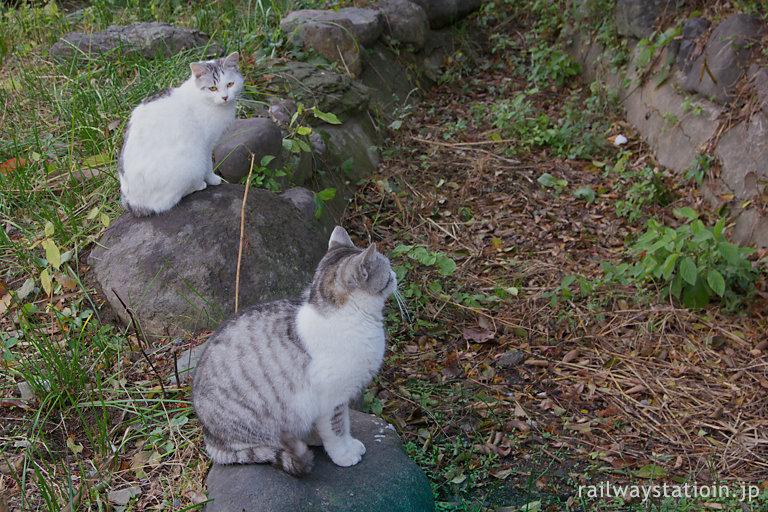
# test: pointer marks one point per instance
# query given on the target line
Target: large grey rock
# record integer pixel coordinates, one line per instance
(759, 77)
(387, 78)
(150, 39)
(385, 480)
(256, 135)
(322, 88)
(364, 25)
(405, 22)
(693, 29)
(336, 35)
(444, 12)
(743, 151)
(636, 18)
(726, 55)
(177, 270)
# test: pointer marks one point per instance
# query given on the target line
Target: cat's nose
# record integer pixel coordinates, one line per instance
(224, 98)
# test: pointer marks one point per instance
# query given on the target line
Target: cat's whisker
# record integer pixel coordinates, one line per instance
(402, 307)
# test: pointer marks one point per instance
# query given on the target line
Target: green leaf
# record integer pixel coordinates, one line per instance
(99, 160)
(719, 228)
(396, 124)
(585, 193)
(549, 181)
(327, 194)
(52, 253)
(49, 229)
(669, 266)
(716, 282)
(686, 213)
(25, 289)
(178, 421)
(688, 270)
(651, 471)
(730, 252)
(696, 296)
(533, 506)
(46, 281)
(266, 159)
(446, 266)
(304, 130)
(328, 117)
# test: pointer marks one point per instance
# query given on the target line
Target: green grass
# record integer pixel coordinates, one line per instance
(95, 401)
(100, 419)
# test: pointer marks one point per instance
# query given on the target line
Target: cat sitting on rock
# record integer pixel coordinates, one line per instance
(276, 376)
(170, 136)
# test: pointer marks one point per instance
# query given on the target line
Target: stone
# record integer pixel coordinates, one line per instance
(636, 18)
(323, 88)
(186, 362)
(693, 29)
(674, 134)
(302, 198)
(387, 79)
(365, 25)
(336, 35)
(26, 391)
(751, 227)
(256, 135)
(726, 55)
(743, 151)
(281, 111)
(384, 480)
(760, 86)
(405, 22)
(150, 39)
(176, 270)
(444, 12)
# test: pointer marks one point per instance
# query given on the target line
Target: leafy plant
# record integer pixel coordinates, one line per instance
(646, 186)
(694, 263)
(549, 181)
(700, 169)
(445, 265)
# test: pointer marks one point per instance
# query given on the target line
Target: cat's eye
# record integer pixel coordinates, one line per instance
(213, 88)
(230, 84)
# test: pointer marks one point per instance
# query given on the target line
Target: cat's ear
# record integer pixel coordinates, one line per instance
(198, 69)
(339, 238)
(369, 254)
(365, 259)
(232, 60)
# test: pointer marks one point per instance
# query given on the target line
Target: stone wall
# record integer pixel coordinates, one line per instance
(710, 67)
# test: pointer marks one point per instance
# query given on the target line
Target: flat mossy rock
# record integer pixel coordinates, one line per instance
(150, 39)
(386, 480)
(177, 270)
(316, 86)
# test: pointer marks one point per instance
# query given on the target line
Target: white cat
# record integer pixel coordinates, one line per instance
(170, 136)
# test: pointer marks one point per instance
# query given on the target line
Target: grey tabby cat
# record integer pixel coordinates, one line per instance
(281, 373)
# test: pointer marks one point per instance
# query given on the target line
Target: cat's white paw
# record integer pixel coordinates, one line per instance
(213, 179)
(201, 186)
(346, 453)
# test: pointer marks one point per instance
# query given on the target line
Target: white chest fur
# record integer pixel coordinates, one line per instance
(346, 347)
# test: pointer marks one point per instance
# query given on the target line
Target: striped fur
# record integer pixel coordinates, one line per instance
(278, 373)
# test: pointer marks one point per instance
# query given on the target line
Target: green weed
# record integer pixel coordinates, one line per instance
(693, 263)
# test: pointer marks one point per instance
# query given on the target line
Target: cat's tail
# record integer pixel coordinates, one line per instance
(295, 458)
(137, 211)
(292, 456)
